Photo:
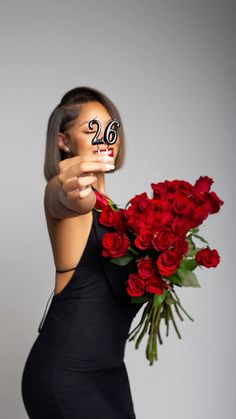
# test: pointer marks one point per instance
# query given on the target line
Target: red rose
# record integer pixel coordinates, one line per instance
(146, 218)
(143, 240)
(172, 185)
(114, 244)
(201, 189)
(180, 246)
(160, 204)
(198, 216)
(146, 268)
(141, 201)
(178, 186)
(206, 205)
(138, 223)
(172, 188)
(207, 257)
(106, 217)
(130, 216)
(181, 205)
(159, 190)
(136, 285)
(215, 202)
(138, 219)
(202, 186)
(167, 262)
(180, 227)
(161, 219)
(162, 240)
(156, 285)
(101, 200)
(119, 222)
(185, 188)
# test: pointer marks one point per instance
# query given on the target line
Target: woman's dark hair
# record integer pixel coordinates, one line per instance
(62, 118)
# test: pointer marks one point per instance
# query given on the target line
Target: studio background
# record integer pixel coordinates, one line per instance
(169, 66)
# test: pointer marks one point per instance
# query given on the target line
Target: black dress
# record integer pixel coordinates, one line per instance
(75, 368)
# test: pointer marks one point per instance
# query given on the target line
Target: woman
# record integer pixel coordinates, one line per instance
(75, 369)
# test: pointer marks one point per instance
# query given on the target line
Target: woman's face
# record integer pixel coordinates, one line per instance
(78, 138)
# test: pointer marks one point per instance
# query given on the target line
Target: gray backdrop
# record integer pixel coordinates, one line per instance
(169, 66)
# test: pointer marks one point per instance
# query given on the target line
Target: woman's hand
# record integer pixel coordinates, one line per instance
(77, 174)
(70, 193)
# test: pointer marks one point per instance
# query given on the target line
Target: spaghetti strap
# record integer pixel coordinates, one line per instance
(66, 270)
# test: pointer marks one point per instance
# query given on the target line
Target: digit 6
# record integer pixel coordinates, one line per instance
(111, 132)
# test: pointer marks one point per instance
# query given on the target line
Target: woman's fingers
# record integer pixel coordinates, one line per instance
(66, 163)
(78, 183)
(93, 167)
(76, 193)
(83, 169)
(78, 173)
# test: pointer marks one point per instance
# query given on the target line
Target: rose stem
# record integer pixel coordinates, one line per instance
(144, 329)
(158, 326)
(180, 305)
(140, 323)
(152, 343)
(177, 298)
(150, 339)
(157, 330)
(173, 320)
(159, 336)
(166, 313)
(155, 345)
(177, 311)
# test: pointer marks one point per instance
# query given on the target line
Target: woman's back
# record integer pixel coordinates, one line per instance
(68, 237)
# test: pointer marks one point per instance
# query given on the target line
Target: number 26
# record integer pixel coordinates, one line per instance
(110, 134)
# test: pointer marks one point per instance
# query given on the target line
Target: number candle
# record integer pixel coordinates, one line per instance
(109, 132)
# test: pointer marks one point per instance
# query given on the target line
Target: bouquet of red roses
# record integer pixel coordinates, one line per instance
(157, 237)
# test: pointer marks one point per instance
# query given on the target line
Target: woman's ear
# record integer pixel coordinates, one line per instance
(61, 142)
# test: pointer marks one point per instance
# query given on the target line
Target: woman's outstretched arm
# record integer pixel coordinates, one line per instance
(69, 193)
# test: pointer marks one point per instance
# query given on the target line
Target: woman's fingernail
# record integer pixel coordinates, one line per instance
(105, 157)
(109, 166)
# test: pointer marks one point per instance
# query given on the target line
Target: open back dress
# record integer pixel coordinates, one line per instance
(75, 368)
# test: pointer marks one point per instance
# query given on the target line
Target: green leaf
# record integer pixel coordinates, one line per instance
(140, 299)
(188, 278)
(193, 231)
(174, 279)
(158, 298)
(200, 238)
(123, 260)
(114, 206)
(188, 264)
